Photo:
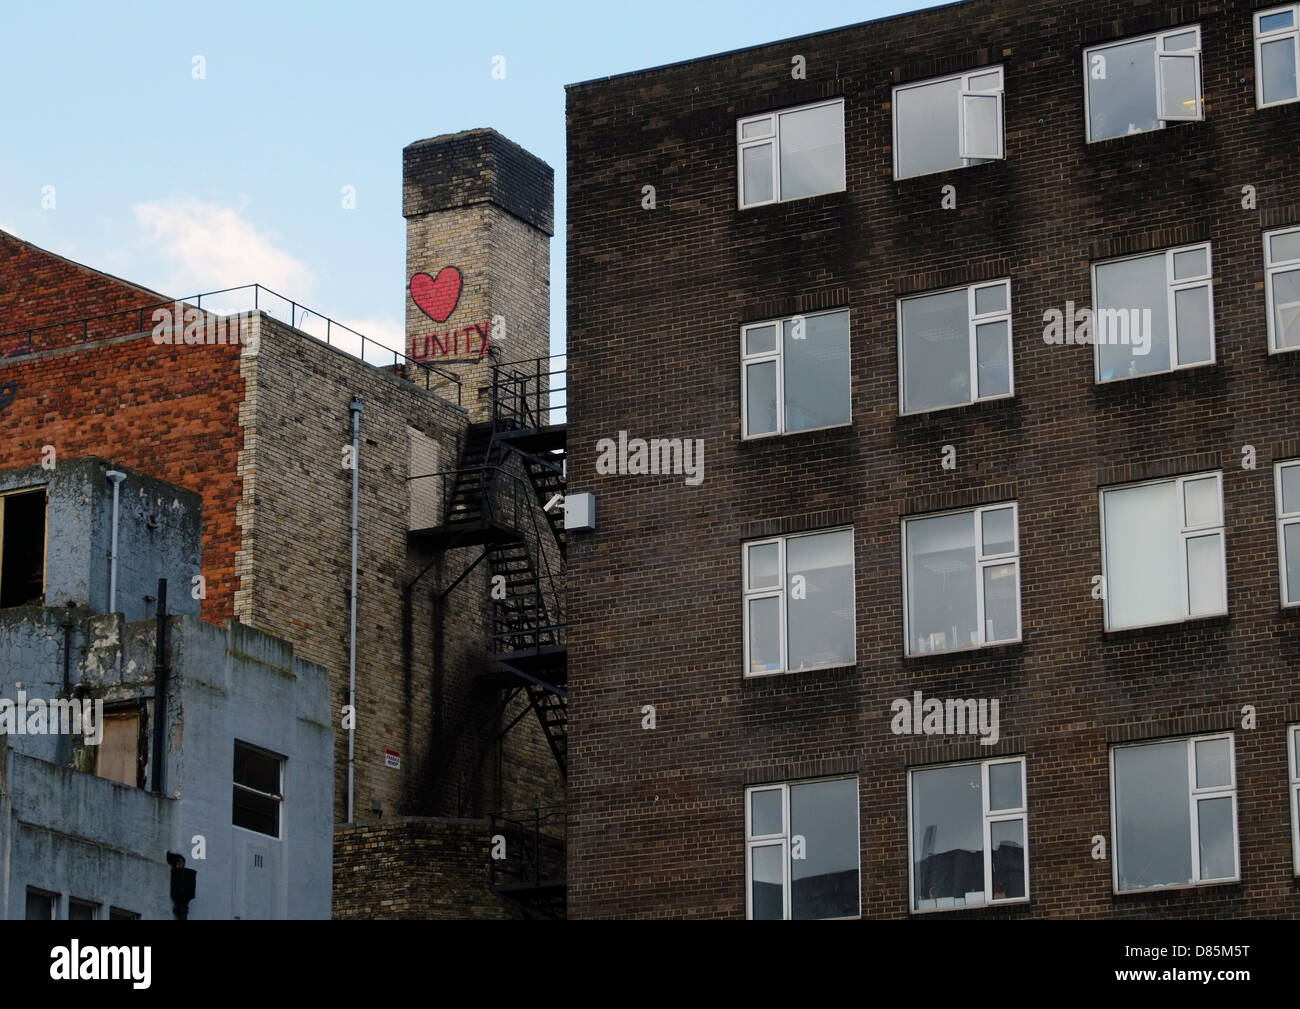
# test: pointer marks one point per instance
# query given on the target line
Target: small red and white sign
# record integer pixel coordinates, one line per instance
(393, 759)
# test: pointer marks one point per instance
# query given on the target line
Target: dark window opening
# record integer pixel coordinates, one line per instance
(22, 549)
(40, 905)
(117, 914)
(256, 803)
(82, 910)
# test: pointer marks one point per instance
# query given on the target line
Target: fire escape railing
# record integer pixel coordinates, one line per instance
(530, 394)
(534, 847)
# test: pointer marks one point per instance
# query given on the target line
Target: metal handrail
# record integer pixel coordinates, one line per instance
(296, 312)
(512, 399)
(536, 825)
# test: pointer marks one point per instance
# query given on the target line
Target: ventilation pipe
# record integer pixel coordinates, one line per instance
(355, 408)
(117, 477)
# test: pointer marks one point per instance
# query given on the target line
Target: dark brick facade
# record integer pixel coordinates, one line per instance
(656, 818)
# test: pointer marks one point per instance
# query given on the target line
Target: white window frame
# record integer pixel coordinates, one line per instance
(772, 136)
(982, 561)
(965, 92)
(990, 817)
(1160, 38)
(1293, 755)
(1172, 288)
(1185, 532)
(780, 592)
(1276, 35)
(1271, 269)
(782, 839)
(777, 354)
(278, 796)
(973, 322)
(1194, 795)
(1284, 519)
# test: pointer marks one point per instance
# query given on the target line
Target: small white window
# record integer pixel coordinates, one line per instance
(949, 122)
(799, 599)
(1174, 813)
(954, 347)
(802, 854)
(1277, 56)
(795, 374)
(792, 154)
(1163, 551)
(1293, 748)
(1282, 288)
(961, 579)
(968, 829)
(1141, 84)
(1287, 492)
(1153, 313)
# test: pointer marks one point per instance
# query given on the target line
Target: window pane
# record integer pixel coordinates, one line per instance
(1178, 85)
(77, 911)
(824, 882)
(756, 166)
(1284, 248)
(1272, 22)
(947, 835)
(993, 357)
(1004, 786)
(991, 81)
(991, 299)
(765, 812)
(982, 125)
(1205, 581)
(1001, 595)
(821, 624)
(1218, 860)
(1192, 323)
(39, 907)
(768, 902)
(1286, 309)
(760, 398)
(812, 151)
(765, 635)
(1007, 839)
(1290, 488)
(998, 531)
(1291, 538)
(936, 351)
(1192, 263)
(760, 339)
(1122, 89)
(1202, 502)
(757, 128)
(817, 372)
(1142, 563)
(1278, 70)
(1152, 818)
(764, 566)
(255, 812)
(941, 583)
(256, 769)
(1213, 763)
(1126, 292)
(927, 128)
(1183, 40)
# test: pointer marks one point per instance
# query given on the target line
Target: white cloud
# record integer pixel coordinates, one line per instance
(207, 246)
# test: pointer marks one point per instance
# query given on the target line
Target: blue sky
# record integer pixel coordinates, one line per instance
(190, 185)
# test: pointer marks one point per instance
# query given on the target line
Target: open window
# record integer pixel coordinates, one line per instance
(22, 548)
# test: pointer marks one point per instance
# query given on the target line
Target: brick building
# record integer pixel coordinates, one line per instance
(979, 322)
(303, 439)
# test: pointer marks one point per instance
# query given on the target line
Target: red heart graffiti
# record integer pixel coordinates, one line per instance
(437, 296)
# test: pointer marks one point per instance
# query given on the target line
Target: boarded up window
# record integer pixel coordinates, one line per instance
(119, 751)
(425, 489)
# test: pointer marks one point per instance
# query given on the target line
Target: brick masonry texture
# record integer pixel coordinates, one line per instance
(655, 303)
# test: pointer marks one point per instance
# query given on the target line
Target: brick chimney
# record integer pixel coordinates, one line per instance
(479, 215)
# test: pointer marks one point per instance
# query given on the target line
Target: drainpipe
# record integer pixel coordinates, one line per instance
(117, 477)
(355, 408)
(160, 692)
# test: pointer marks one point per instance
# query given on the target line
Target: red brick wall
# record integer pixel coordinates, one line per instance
(169, 411)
